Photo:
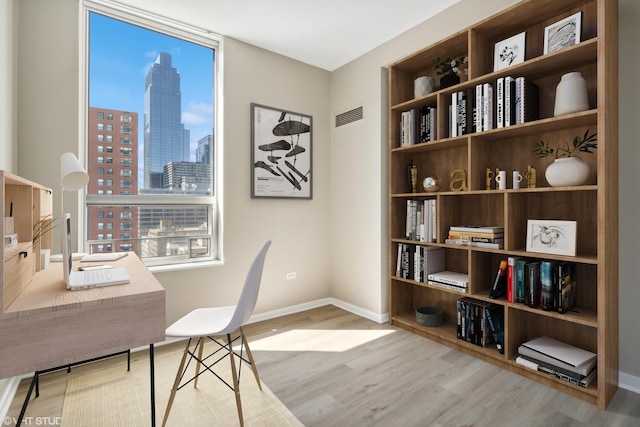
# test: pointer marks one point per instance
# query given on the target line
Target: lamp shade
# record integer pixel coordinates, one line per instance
(72, 175)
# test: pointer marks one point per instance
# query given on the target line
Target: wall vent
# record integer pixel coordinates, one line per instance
(349, 116)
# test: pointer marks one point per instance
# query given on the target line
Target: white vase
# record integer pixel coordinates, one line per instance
(571, 94)
(423, 86)
(567, 171)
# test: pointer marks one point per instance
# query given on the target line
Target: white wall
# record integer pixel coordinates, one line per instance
(8, 154)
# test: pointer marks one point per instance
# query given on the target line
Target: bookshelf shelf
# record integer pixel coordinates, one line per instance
(593, 322)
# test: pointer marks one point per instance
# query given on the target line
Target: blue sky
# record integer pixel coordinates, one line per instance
(120, 55)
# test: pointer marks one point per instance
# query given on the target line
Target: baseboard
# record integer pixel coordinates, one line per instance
(629, 382)
(8, 388)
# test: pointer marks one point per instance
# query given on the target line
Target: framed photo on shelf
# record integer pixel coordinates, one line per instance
(280, 153)
(563, 33)
(551, 236)
(509, 52)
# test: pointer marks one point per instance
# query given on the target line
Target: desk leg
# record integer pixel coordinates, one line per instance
(153, 387)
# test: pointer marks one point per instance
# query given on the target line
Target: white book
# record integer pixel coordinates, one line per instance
(453, 116)
(478, 110)
(500, 103)
(509, 101)
(487, 106)
(451, 278)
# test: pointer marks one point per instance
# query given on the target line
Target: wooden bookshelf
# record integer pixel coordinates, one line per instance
(593, 325)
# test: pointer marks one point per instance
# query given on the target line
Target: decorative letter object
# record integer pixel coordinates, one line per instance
(489, 178)
(458, 180)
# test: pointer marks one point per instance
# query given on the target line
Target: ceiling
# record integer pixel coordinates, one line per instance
(323, 33)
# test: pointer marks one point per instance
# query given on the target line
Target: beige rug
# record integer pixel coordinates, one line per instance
(115, 397)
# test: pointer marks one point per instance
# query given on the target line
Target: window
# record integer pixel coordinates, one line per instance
(165, 198)
(100, 115)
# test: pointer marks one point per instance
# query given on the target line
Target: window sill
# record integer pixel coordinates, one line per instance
(185, 266)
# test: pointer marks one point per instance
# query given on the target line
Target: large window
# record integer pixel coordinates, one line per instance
(154, 79)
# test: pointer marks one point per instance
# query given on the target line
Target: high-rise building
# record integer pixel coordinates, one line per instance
(113, 168)
(163, 129)
(203, 151)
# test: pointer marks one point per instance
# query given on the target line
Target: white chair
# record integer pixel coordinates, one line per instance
(214, 323)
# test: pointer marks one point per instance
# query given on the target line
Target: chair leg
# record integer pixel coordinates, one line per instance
(236, 385)
(176, 383)
(201, 342)
(245, 342)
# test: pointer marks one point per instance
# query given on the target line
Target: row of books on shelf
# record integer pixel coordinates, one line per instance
(416, 262)
(546, 284)
(480, 323)
(421, 220)
(484, 236)
(418, 126)
(564, 361)
(507, 101)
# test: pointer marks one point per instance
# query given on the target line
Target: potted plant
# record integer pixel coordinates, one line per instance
(567, 168)
(450, 70)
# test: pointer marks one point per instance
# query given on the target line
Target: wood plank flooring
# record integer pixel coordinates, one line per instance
(332, 368)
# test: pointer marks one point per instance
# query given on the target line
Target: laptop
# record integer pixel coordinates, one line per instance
(86, 279)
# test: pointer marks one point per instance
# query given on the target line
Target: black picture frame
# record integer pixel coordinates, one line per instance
(281, 153)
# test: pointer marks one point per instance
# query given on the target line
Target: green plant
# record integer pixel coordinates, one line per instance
(42, 226)
(449, 65)
(584, 145)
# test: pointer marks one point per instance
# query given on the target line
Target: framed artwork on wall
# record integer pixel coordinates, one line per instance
(281, 154)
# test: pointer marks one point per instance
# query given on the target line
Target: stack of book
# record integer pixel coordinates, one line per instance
(421, 220)
(546, 284)
(481, 236)
(480, 323)
(562, 360)
(418, 126)
(416, 262)
(458, 282)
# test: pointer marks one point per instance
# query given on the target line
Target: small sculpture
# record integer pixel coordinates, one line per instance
(431, 184)
(458, 180)
(530, 176)
(489, 178)
(412, 177)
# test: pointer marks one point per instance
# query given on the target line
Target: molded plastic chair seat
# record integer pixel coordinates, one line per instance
(207, 325)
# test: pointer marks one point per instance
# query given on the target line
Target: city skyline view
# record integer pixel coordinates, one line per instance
(120, 57)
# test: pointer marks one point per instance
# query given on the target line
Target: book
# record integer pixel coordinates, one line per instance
(509, 101)
(487, 106)
(519, 280)
(548, 272)
(527, 99)
(560, 354)
(532, 284)
(499, 287)
(478, 103)
(500, 102)
(470, 235)
(461, 113)
(475, 244)
(549, 366)
(462, 289)
(428, 259)
(511, 280)
(450, 277)
(495, 317)
(453, 115)
(582, 382)
(478, 228)
(566, 287)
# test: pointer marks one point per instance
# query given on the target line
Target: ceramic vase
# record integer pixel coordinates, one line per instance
(423, 86)
(571, 94)
(566, 171)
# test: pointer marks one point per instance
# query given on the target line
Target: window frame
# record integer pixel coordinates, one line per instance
(206, 38)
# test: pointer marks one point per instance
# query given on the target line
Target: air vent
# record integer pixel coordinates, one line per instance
(349, 116)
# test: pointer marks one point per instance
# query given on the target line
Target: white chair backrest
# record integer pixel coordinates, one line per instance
(249, 295)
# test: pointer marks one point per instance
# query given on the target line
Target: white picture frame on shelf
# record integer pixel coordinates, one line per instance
(551, 236)
(563, 33)
(509, 52)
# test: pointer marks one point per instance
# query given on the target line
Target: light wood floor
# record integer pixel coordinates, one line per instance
(332, 368)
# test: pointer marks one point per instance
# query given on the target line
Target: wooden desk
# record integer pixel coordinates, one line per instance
(48, 326)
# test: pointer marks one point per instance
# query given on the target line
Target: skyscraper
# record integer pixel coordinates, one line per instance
(163, 129)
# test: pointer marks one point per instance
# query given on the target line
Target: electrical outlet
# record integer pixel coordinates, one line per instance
(291, 275)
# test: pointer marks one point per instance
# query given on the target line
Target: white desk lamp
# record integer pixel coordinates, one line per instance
(72, 177)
